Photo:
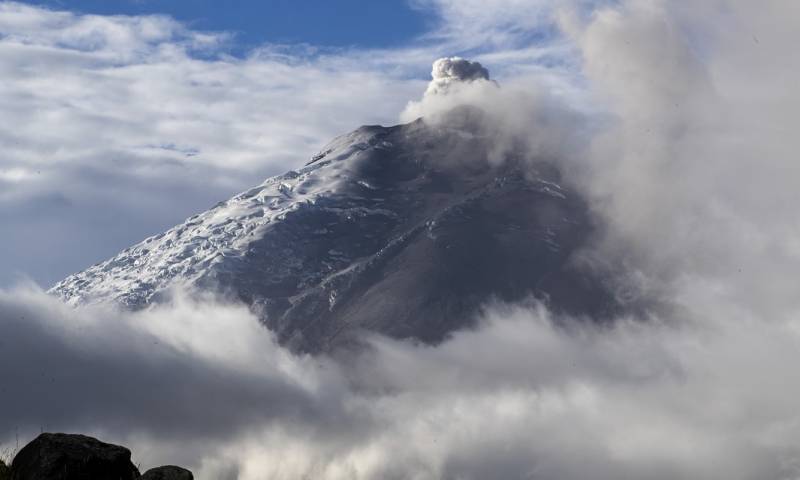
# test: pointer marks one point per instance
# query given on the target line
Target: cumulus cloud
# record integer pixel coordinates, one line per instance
(673, 128)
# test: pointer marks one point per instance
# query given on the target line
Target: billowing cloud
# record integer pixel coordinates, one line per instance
(692, 170)
(141, 372)
(524, 118)
(453, 70)
(523, 396)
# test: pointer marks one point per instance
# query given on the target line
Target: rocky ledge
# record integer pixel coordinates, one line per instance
(62, 456)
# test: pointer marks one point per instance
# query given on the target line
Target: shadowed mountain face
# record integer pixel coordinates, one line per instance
(405, 231)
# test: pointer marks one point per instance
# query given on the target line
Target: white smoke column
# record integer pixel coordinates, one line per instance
(521, 118)
(449, 70)
(455, 81)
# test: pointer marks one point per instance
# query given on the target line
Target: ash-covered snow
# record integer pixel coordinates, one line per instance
(186, 252)
(404, 230)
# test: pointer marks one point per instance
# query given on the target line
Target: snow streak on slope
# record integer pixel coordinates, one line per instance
(404, 230)
(189, 250)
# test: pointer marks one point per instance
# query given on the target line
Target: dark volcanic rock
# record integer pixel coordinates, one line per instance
(60, 456)
(406, 231)
(167, 472)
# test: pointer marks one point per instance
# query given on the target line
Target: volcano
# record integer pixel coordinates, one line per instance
(405, 231)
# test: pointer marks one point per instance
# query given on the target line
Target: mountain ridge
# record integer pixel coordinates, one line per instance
(403, 230)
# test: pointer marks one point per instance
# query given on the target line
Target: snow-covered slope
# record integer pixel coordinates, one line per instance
(404, 230)
(208, 241)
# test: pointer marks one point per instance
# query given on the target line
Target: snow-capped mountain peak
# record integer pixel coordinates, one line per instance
(403, 230)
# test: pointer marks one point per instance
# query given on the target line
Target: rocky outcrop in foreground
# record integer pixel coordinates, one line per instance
(61, 456)
(169, 472)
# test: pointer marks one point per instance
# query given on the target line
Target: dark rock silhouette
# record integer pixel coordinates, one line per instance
(60, 456)
(167, 472)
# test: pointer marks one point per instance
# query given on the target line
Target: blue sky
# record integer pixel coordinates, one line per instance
(359, 23)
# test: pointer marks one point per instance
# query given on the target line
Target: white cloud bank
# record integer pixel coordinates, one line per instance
(518, 398)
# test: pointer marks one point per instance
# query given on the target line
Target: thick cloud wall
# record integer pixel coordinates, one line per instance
(518, 398)
(674, 128)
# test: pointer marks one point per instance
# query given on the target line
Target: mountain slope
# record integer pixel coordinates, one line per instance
(404, 230)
